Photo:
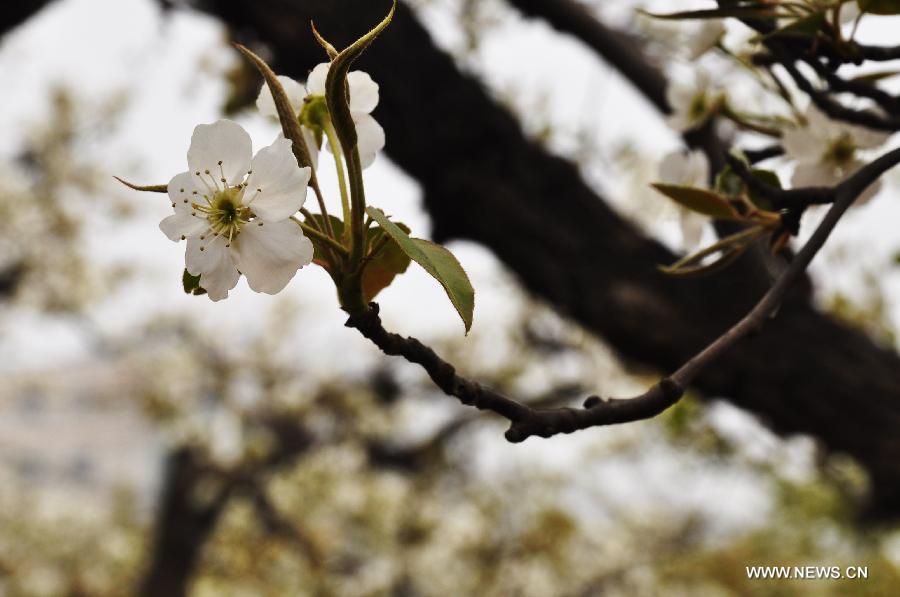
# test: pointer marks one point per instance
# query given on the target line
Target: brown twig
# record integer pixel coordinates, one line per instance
(527, 421)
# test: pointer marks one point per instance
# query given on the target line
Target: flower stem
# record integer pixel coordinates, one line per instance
(331, 134)
(313, 232)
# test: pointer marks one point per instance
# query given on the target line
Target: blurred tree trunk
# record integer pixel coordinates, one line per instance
(184, 522)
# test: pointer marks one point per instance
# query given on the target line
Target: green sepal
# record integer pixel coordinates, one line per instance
(336, 89)
(289, 123)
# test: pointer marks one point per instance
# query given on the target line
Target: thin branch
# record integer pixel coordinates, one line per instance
(527, 421)
(878, 53)
(888, 102)
(754, 156)
(834, 108)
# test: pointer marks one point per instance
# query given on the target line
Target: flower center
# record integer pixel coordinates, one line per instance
(840, 151)
(225, 213)
(697, 108)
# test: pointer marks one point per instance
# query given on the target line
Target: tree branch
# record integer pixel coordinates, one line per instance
(527, 421)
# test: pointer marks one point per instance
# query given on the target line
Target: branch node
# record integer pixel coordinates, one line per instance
(593, 401)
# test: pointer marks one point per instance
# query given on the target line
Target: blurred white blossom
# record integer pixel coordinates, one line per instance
(692, 100)
(827, 151)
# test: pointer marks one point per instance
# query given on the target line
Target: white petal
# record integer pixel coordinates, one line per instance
(803, 145)
(849, 12)
(214, 264)
(704, 39)
(181, 192)
(276, 187)
(222, 148)
(363, 92)
(370, 137)
(679, 95)
(865, 138)
(295, 92)
(692, 226)
(815, 174)
(688, 169)
(821, 125)
(183, 224)
(672, 167)
(315, 82)
(870, 191)
(271, 254)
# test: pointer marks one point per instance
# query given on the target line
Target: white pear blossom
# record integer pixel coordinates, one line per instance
(235, 212)
(364, 96)
(692, 101)
(827, 151)
(687, 168)
(704, 38)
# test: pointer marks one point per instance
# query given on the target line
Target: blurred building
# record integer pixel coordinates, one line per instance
(75, 432)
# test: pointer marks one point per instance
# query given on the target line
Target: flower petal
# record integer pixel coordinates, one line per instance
(295, 92)
(814, 174)
(315, 82)
(213, 262)
(182, 192)
(705, 38)
(223, 149)
(692, 226)
(363, 92)
(183, 224)
(870, 191)
(685, 168)
(276, 187)
(270, 255)
(803, 144)
(865, 138)
(370, 138)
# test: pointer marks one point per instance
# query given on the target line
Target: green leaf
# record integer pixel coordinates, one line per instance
(191, 284)
(336, 88)
(728, 183)
(808, 26)
(437, 261)
(702, 201)
(289, 123)
(770, 178)
(879, 7)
